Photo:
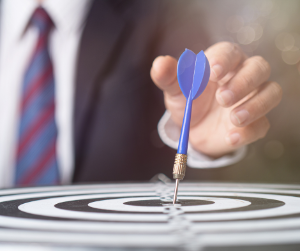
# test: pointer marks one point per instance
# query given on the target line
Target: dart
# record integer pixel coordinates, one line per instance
(193, 73)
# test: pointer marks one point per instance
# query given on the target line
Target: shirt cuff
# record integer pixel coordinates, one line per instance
(169, 133)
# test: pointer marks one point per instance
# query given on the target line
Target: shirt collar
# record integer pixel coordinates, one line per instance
(67, 15)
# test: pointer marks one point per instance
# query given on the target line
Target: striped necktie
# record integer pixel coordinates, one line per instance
(36, 162)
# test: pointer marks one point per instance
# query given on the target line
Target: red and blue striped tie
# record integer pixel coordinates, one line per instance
(36, 162)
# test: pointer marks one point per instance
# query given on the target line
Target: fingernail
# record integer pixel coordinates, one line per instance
(233, 138)
(217, 70)
(240, 117)
(225, 98)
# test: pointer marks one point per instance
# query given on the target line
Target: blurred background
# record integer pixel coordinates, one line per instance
(270, 28)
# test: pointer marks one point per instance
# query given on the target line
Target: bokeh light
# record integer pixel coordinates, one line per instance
(258, 30)
(291, 56)
(246, 35)
(285, 41)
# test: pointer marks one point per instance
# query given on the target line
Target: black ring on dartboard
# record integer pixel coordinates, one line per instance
(10, 208)
(256, 204)
(82, 205)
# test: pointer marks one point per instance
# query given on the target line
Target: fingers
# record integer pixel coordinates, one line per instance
(252, 73)
(164, 74)
(223, 57)
(240, 136)
(249, 117)
(267, 97)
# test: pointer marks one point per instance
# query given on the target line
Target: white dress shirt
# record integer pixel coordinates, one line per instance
(17, 42)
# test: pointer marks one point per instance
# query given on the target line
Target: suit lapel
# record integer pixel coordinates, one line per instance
(104, 30)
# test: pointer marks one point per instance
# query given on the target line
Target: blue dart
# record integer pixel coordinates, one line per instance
(193, 73)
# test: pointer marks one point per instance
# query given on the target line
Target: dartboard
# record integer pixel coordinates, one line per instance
(141, 216)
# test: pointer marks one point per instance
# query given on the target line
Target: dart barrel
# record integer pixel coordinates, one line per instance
(179, 166)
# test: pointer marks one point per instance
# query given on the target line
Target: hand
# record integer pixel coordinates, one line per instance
(231, 111)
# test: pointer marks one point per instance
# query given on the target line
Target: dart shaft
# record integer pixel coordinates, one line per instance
(181, 156)
(185, 128)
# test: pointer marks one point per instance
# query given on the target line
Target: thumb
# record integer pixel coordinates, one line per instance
(164, 74)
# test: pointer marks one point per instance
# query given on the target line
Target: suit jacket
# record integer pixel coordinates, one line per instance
(117, 107)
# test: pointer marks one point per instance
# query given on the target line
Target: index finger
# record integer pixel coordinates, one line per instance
(223, 58)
